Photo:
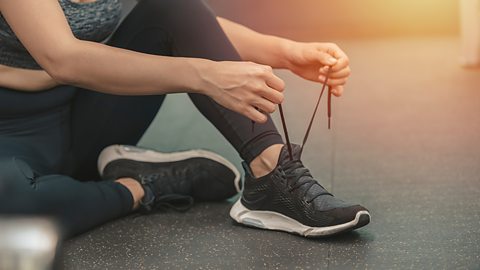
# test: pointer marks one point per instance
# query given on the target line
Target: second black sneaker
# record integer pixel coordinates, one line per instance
(290, 199)
(172, 180)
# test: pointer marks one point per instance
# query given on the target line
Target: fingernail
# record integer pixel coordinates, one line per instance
(321, 78)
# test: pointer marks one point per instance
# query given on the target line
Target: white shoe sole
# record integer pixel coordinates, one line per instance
(115, 152)
(276, 221)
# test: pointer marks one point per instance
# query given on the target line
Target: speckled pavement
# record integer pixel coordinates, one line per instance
(405, 143)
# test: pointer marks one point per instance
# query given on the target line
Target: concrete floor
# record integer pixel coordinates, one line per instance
(405, 143)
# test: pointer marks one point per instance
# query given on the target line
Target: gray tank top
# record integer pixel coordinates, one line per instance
(93, 21)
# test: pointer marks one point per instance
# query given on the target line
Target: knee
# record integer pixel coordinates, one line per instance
(183, 10)
(170, 5)
(15, 175)
(13, 168)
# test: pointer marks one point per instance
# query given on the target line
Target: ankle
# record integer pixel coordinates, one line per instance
(135, 189)
(266, 162)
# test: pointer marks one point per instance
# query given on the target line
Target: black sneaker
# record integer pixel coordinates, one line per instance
(172, 180)
(290, 199)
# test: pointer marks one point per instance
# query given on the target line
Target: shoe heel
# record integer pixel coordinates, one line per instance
(240, 214)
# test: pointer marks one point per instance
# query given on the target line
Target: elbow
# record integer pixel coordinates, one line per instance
(60, 70)
(60, 64)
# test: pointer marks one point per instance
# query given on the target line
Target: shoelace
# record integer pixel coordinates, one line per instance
(329, 115)
(296, 167)
(307, 133)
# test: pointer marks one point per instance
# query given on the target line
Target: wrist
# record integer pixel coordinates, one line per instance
(269, 50)
(197, 70)
(284, 48)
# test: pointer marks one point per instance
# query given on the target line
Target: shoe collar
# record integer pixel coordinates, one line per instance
(283, 159)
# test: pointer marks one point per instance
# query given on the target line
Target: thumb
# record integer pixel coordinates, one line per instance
(324, 58)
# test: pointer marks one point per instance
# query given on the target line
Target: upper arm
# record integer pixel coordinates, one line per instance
(42, 28)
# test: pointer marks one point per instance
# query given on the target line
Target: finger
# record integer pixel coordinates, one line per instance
(342, 58)
(344, 73)
(275, 82)
(255, 115)
(271, 94)
(337, 91)
(266, 72)
(237, 105)
(335, 51)
(264, 105)
(322, 57)
(342, 63)
(332, 82)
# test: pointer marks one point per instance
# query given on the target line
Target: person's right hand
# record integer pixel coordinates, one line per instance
(244, 87)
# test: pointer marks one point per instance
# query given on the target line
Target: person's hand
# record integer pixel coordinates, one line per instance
(244, 87)
(311, 61)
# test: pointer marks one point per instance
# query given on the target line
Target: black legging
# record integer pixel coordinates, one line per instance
(50, 140)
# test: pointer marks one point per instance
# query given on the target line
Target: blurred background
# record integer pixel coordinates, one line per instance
(345, 18)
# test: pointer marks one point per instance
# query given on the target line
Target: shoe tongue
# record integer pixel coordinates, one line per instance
(314, 190)
(285, 156)
(296, 152)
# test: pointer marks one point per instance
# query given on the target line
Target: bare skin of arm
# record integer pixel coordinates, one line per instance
(308, 60)
(305, 59)
(25, 79)
(240, 86)
(42, 28)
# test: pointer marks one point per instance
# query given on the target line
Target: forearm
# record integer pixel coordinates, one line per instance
(256, 47)
(126, 72)
(25, 79)
(43, 29)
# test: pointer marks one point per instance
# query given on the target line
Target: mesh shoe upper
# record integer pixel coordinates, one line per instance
(291, 190)
(174, 184)
(201, 178)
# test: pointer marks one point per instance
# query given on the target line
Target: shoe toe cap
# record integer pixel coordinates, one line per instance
(345, 214)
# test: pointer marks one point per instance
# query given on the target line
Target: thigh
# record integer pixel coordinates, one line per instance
(185, 28)
(41, 139)
(99, 120)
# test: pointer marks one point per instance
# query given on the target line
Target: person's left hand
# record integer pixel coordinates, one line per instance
(311, 60)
